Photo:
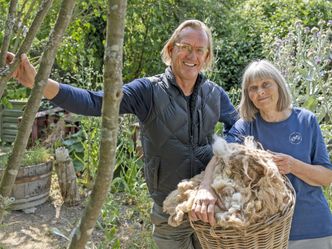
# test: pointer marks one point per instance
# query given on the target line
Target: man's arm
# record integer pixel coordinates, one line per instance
(51, 89)
(228, 114)
(137, 99)
(137, 95)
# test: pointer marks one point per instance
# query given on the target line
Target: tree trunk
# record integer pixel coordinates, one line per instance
(64, 168)
(110, 114)
(31, 109)
(24, 48)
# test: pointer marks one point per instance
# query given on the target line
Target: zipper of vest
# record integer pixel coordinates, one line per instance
(190, 129)
(191, 137)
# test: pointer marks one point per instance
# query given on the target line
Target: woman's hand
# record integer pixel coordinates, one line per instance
(315, 175)
(25, 73)
(204, 205)
(284, 162)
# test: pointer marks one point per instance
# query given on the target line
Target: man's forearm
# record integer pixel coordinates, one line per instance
(51, 89)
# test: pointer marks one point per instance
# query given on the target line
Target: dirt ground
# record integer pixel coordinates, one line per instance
(39, 229)
(46, 227)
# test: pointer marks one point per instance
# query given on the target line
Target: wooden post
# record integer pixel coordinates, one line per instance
(66, 177)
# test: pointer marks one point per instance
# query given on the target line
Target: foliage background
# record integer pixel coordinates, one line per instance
(243, 30)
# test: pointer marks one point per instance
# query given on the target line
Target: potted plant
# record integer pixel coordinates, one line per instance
(33, 180)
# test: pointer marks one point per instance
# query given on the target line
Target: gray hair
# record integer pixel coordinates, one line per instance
(194, 24)
(259, 70)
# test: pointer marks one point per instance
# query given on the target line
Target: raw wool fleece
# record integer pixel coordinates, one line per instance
(247, 183)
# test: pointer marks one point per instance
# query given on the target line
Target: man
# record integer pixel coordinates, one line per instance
(177, 110)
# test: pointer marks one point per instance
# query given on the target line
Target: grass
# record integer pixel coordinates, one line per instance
(36, 155)
(33, 156)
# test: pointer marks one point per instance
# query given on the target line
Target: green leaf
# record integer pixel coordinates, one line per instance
(310, 103)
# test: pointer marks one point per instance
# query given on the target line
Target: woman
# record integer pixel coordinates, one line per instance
(293, 135)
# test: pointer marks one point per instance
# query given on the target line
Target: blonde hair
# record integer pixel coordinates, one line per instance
(259, 70)
(194, 24)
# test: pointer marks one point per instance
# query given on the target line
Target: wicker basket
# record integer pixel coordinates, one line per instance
(271, 233)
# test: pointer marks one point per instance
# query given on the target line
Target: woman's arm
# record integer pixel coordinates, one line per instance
(205, 200)
(315, 175)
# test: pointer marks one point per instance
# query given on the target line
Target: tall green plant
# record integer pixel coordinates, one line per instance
(91, 128)
(304, 57)
(126, 145)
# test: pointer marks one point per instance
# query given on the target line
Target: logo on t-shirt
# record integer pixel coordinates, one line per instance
(295, 138)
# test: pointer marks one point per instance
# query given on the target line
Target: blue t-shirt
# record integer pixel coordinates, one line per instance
(300, 137)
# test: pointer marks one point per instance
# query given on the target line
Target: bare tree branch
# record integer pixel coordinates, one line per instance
(24, 48)
(8, 32)
(19, 25)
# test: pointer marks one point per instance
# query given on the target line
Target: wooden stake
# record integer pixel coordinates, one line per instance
(64, 168)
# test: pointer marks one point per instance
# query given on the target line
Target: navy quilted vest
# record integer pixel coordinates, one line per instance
(177, 134)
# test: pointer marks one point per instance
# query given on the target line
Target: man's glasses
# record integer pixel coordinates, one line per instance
(189, 49)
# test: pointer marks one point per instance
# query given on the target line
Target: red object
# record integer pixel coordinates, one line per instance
(44, 120)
